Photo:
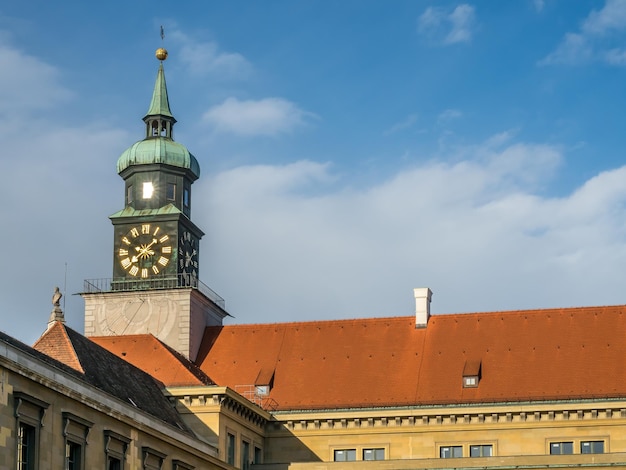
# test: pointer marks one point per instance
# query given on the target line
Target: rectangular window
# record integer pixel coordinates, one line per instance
(451, 452)
(29, 412)
(171, 191)
(258, 455)
(345, 455)
(114, 463)
(115, 446)
(245, 455)
(481, 451)
(374, 454)
(148, 190)
(230, 448)
(75, 431)
(592, 447)
(129, 194)
(26, 435)
(561, 448)
(186, 197)
(73, 455)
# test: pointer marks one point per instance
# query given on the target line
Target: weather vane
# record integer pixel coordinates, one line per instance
(161, 53)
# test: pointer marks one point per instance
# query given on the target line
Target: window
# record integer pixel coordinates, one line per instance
(26, 446)
(152, 459)
(148, 189)
(115, 447)
(245, 455)
(345, 455)
(561, 448)
(114, 463)
(374, 454)
(73, 456)
(451, 452)
(592, 447)
(170, 192)
(481, 451)
(230, 448)
(29, 412)
(186, 197)
(129, 194)
(470, 382)
(258, 455)
(75, 432)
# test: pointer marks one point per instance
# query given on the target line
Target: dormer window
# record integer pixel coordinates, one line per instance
(472, 373)
(469, 382)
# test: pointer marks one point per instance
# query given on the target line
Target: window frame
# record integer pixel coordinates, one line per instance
(560, 445)
(244, 454)
(75, 431)
(29, 414)
(230, 448)
(591, 444)
(115, 448)
(376, 451)
(349, 452)
(452, 448)
(481, 448)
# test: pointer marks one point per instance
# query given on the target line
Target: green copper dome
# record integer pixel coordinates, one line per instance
(158, 147)
(158, 150)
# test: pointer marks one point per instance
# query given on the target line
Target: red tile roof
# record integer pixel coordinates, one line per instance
(56, 344)
(152, 356)
(557, 354)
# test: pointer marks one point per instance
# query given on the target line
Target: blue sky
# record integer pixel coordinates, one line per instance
(350, 151)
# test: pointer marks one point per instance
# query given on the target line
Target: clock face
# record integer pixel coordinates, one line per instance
(188, 254)
(144, 251)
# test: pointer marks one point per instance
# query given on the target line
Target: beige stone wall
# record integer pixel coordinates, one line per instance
(513, 431)
(177, 317)
(63, 394)
(219, 411)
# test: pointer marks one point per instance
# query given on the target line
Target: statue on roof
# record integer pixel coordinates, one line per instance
(57, 312)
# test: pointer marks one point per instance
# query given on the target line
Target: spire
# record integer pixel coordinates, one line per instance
(159, 119)
(160, 104)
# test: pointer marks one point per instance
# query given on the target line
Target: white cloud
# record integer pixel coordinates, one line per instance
(615, 56)
(574, 49)
(447, 26)
(477, 231)
(593, 41)
(27, 83)
(267, 117)
(611, 17)
(206, 58)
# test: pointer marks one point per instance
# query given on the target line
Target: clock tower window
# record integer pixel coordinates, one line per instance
(171, 191)
(129, 194)
(148, 189)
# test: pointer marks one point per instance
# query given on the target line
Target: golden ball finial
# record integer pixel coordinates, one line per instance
(161, 53)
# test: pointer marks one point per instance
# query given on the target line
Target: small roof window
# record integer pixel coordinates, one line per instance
(472, 373)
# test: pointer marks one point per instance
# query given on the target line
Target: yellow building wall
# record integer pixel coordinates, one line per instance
(513, 431)
(120, 419)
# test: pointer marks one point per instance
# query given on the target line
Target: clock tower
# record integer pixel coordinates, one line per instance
(155, 286)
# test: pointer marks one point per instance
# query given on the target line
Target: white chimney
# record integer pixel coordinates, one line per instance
(422, 306)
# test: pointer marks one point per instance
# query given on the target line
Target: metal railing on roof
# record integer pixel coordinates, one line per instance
(181, 281)
(257, 395)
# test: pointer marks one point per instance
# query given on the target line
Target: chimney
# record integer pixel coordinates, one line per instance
(422, 306)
